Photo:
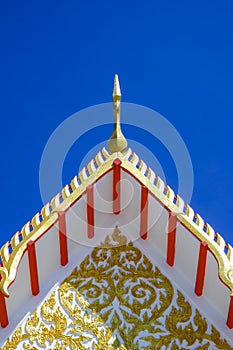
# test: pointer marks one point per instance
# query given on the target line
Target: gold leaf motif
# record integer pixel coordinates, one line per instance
(116, 299)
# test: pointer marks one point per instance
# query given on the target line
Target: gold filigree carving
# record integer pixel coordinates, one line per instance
(116, 239)
(116, 299)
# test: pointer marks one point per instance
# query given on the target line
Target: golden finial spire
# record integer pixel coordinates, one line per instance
(117, 142)
(116, 94)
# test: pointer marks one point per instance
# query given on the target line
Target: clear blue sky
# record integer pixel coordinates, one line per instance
(58, 57)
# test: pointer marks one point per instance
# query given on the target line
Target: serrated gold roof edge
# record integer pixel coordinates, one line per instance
(102, 163)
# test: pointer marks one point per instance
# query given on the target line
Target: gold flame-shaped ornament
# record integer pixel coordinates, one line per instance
(117, 142)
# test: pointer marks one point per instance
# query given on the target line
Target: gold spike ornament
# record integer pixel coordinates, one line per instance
(117, 142)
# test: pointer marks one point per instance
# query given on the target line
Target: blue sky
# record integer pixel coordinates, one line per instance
(59, 57)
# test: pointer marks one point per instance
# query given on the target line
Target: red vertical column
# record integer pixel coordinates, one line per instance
(171, 238)
(62, 238)
(116, 186)
(3, 311)
(230, 314)
(33, 267)
(90, 211)
(144, 213)
(201, 267)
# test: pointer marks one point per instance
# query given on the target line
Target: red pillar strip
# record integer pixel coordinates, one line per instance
(62, 238)
(144, 213)
(230, 314)
(90, 211)
(116, 186)
(171, 238)
(3, 311)
(33, 267)
(201, 267)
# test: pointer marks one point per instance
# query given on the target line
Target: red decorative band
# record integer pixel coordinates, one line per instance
(230, 313)
(201, 267)
(90, 211)
(3, 311)
(62, 238)
(32, 261)
(116, 186)
(144, 213)
(171, 238)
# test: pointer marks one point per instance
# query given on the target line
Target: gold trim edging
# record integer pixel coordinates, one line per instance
(88, 176)
(49, 217)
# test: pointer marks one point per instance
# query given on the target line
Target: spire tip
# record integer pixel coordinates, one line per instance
(116, 95)
(117, 142)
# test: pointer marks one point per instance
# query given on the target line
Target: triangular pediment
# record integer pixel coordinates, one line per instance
(165, 283)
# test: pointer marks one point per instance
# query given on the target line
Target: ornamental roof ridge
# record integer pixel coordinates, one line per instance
(12, 251)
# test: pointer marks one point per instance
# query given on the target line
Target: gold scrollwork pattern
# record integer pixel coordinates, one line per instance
(116, 299)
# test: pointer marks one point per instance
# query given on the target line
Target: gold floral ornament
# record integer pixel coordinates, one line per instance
(70, 325)
(116, 299)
